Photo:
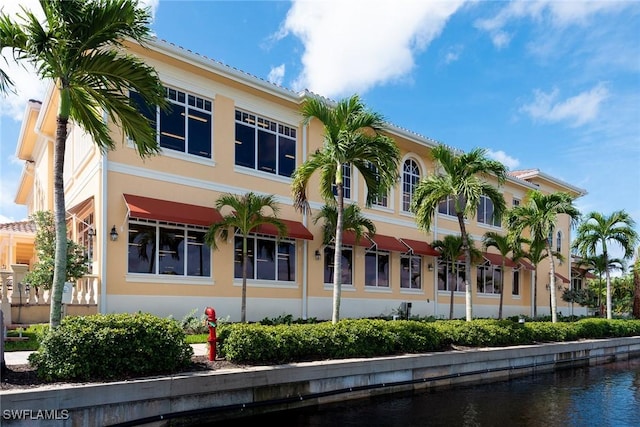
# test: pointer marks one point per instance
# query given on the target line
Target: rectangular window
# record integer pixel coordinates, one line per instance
(486, 214)
(376, 268)
(267, 259)
(264, 144)
(187, 124)
(448, 206)
(448, 279)
(515, 286)
(411, 272)
(346, 265)
(346, 182)
(489, 279)
(516, 202)
(159, 248)
(382, 201)
(576, 283)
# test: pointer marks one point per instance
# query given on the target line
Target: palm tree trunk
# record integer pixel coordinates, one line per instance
(535, 291)
(552, 285)
(455, 278)
(337, 256)
(467, 268)
(501, 291)
(636, 283)
(60, 252)
(608, 277)
(245, 260)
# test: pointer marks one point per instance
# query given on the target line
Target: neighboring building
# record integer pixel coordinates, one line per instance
(143, 221)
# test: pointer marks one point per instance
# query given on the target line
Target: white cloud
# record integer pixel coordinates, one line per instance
(510, 162)
(577, 110)
(559, 14)
(453, 54)
(276, 75)
(350, 46)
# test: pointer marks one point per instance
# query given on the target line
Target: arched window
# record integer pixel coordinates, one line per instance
(559, 241)
(410, 178)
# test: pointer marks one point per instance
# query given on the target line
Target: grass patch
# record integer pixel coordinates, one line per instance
(33, 334)
(197, 338)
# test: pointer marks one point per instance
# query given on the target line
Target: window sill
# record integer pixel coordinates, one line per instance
(259, 174)
(167, 279)
(380, 289)
(413, 291)
(343, 287)
(266, 284)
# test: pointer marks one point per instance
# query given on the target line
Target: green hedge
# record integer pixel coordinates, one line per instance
(285, 343)
(111, 346)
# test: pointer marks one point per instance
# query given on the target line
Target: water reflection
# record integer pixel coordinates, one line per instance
(603, 396)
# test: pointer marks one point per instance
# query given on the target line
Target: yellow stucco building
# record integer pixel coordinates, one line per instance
(143, 221)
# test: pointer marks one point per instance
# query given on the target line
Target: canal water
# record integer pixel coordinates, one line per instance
(603, 396)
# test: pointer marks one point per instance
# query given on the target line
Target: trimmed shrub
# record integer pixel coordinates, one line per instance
(111, 346)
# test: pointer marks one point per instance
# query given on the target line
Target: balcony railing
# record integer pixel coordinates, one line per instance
(85, 291)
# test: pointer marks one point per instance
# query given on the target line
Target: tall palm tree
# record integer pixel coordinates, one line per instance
(78, 47)
(450, 248)
(539, 215)
(597, 264)
(503, 244)
(247, 213)
(461, 178)
(352, 137)
(597, 231)
(636, 286)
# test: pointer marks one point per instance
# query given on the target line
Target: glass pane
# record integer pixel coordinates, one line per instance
(149, 111)
(515, 287)
(198, 255)
(199, 133)
(383, 270)
(405, 272)
(347, 266)
(265, 260)
(171, 252)
(416, 272)
(328, 264)
(370, 273)
(286, 156)
(142, 248)
(287, 262)
(172, 128)
(266, 152)
(245, 146)
(442, 277)
(237, 258)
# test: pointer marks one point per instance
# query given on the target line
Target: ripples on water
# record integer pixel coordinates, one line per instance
(602, 396)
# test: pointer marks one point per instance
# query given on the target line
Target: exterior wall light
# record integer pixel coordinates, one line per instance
(317, 255)
(113, 234)
(430, 267)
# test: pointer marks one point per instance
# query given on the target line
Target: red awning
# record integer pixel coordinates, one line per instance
(561, 277)
(589, 275)
(165, 210)
(295, 229)
(526, 264)
(496, 259)
(349, 238)
(420, 248)
(388, 243)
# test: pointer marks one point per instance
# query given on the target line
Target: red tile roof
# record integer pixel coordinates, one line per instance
(19, 227)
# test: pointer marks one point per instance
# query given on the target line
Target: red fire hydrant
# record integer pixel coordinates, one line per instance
(211, 323)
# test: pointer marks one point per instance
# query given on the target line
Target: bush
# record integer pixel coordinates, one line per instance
(111, 346)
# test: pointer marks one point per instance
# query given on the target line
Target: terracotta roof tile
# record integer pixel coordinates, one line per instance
(19, 227)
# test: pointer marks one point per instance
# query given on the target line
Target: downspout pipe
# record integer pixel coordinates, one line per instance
(305, 244)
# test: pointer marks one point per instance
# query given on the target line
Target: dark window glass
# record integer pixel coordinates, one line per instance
(346, 265)
(411, 272)
(171, 251)
(198, 254)
(266, 152)
(245, 146)
(237, 257)
(172, 128)
(515, 286)
(376, 269)
(149, 111)
(199, 133)
(286, 156)
(142, 248)
(286, 262)
(265, 259)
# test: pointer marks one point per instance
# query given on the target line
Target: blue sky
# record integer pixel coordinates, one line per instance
(553, 85)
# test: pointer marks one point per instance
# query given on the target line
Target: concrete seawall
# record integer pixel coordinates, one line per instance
(230, 393)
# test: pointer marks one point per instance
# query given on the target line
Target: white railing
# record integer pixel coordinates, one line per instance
(85, 291)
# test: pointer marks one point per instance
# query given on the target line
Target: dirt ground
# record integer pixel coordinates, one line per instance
(24, 376)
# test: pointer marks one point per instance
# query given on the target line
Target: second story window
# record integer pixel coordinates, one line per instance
(187, 124)
(486, 212)
(559, 242)
(264, 145)
(346, 182)
(410, 178)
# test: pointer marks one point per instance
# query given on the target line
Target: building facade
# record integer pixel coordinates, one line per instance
(142, 221)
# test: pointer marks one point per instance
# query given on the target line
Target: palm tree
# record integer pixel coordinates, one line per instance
(353, 220)
(247, 213)
(450, 248)
(598, 265)
(504, 245)
(78, 47)
(539, 214)
(460, 178)
(352, 137)
(597, 231)
(636, 286)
